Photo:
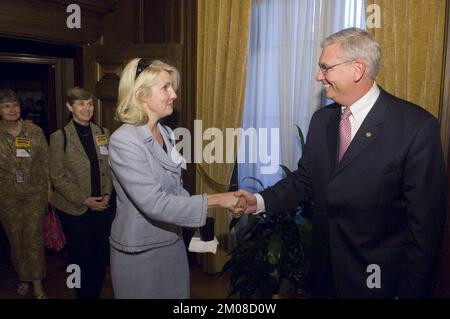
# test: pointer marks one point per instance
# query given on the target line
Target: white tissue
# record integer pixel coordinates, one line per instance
(198, 246)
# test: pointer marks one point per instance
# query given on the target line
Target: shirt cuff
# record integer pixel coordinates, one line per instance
(260, 206)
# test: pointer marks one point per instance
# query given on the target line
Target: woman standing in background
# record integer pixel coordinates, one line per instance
(82, 184)
(24, 192)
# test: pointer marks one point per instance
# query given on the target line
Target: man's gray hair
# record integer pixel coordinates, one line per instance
(357, 44)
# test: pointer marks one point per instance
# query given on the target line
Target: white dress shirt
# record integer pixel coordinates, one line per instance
(359, 109)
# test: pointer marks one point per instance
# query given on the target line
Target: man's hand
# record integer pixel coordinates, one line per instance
(238, 209)
(250, 201)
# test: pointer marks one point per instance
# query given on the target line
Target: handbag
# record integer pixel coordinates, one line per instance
(53, 235)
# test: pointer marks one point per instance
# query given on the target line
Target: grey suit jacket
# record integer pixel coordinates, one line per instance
(151, 201)
(70, 170)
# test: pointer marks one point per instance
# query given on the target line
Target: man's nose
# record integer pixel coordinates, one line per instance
(319, 75)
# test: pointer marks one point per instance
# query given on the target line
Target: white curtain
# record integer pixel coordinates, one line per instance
(281, 90)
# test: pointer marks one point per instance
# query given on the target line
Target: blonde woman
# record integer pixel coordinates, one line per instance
(148, 256)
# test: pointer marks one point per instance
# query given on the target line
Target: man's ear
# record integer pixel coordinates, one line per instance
(69, 107)
(359, 70)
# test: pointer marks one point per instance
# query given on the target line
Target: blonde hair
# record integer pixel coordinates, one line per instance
(357, 43)
(134, 86)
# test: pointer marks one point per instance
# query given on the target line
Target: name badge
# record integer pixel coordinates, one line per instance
(101, 140)
(23, 142)
(22, 152)
(104, 150)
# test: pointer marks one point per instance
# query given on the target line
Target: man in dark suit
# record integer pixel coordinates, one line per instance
(373, 165)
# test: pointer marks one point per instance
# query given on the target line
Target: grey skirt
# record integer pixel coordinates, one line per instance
(160, 273)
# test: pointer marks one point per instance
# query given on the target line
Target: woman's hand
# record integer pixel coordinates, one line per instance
(234, 204)
(95, 203)
(106, 200)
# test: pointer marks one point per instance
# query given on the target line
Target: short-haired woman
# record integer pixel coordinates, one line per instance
(24, 187)
(148, 256)
(82, 184)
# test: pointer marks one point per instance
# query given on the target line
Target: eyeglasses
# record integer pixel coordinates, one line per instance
(324, 68)
(141, 67)
(10, 106)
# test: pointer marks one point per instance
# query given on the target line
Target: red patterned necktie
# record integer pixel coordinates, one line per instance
(345, 132)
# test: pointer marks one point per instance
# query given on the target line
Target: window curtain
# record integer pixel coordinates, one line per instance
(281, 89)
(411, 37)
(223, 32)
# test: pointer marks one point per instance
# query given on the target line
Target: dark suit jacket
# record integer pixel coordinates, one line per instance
(383, 204)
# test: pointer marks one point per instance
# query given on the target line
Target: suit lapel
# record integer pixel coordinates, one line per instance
(367, 133)
(163, 158)
(332, 137)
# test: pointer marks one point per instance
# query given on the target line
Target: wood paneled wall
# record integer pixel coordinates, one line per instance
(120, 27)
(137, 28)
(45, 20)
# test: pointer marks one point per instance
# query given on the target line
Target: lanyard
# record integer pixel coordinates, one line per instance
(20, 175)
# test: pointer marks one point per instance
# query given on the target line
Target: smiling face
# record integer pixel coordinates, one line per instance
(10, 111)
(159, 102)
(82, 111)
(339, 80)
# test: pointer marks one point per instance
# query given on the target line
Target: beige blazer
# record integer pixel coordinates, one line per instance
(70, 170)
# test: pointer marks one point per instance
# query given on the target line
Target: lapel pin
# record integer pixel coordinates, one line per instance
(368, 134)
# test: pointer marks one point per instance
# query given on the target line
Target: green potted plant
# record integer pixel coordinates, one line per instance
(271, 259)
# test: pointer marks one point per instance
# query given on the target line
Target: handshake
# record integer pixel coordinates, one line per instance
(237, 203)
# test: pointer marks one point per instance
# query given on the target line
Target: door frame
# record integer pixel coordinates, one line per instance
(64, 77)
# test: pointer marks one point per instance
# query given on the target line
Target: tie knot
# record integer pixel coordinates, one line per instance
(347, 112)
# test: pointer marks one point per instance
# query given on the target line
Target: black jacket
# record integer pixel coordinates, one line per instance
(383, 204)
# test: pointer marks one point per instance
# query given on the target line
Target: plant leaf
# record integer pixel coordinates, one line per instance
(254, 179)
(274, 249)
(285, 169)
(300, 135)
